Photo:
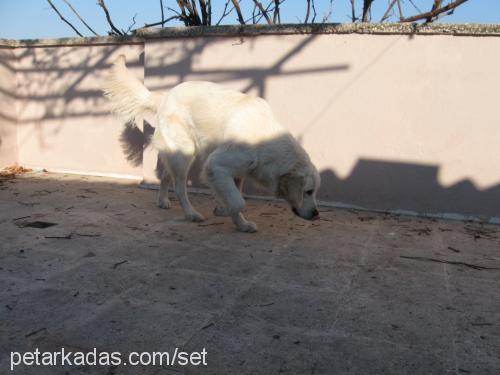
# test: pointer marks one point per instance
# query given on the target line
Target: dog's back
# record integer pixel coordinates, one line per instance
(217, 115)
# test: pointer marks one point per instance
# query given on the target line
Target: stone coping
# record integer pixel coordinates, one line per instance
(141, 35)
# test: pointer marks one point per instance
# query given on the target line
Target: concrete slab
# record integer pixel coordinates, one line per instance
(354, 293)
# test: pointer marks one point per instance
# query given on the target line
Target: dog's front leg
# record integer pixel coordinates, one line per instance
(220, 175)
(242, 224)
(221, 210)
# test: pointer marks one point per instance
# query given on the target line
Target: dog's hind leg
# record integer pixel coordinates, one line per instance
(177, 154)
(178, 165)
(163, 201)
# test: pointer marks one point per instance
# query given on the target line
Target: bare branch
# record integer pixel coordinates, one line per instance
(204, 15)
(236, 6)
(224, 12)
(132, 24)
(183, 16)
(400, 9)
(254, 12)
(388, 11)
(108, 18)
(434, 13)
(194, 11)
(308, 10)
(436, 5)
(314, 11)
(353, 11)
(64, 19)
(209, 12)
(263, 11)
(162, 14)
(80, 18)
(161, 23)
(367, 4)
(189, 13)
(415, 6)
(269, 9)
(276, 15)
(329, 13)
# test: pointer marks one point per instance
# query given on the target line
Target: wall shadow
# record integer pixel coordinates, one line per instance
(389, 185)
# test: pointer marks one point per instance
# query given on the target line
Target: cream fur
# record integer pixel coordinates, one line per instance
(235, 134)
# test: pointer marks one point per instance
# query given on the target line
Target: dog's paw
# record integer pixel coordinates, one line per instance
(248, 227)
(195, 217)
(163, 203)
(221, 211)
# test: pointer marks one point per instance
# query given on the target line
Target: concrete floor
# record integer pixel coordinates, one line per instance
(336, 296)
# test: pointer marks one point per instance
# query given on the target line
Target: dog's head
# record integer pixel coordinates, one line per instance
(298, 187)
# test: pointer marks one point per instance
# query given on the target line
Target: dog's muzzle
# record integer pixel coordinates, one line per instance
(314, 214)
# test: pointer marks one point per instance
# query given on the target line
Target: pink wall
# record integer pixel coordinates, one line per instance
(394, 121)
(391, 121)
(8, 134)
(64, 122)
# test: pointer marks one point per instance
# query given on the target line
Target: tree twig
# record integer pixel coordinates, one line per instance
(162, 14)
(415, 6)
(434, 13)
(436, 5)
(193, 17)
(236, 6)
(204, 14)
(386, 14)
(268, 9)
(276, 15)
(308, 10)
(224, 14)
(353, 10)
(80, 18)
(160, 22)
(132, 24)
(209, 12)
(64, 19)
(329, 13)
(367, 4)
(263, 11)
(314, 11)
(108, 18)
(400, 9)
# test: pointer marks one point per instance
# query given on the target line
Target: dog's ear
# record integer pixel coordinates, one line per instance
(290, 187)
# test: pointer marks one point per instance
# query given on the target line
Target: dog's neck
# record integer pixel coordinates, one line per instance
(285, 156)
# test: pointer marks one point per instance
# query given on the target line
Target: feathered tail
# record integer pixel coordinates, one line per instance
(129, 97)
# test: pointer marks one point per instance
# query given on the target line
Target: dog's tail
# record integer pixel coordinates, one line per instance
(129, 97)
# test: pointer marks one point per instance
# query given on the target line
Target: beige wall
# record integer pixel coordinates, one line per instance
(64, 122)
(391, 121)
(8, 135)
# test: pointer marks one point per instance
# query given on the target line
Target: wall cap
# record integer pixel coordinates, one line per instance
(253, 30)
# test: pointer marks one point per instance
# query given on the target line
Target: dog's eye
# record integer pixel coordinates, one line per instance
(310, 192)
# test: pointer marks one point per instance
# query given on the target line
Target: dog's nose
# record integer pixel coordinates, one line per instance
(315, 214)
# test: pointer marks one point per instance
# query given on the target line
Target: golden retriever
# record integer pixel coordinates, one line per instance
(234, 134)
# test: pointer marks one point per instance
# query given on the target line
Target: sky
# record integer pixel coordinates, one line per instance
(32, 19)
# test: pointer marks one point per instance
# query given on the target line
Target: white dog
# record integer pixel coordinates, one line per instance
(236, 135)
